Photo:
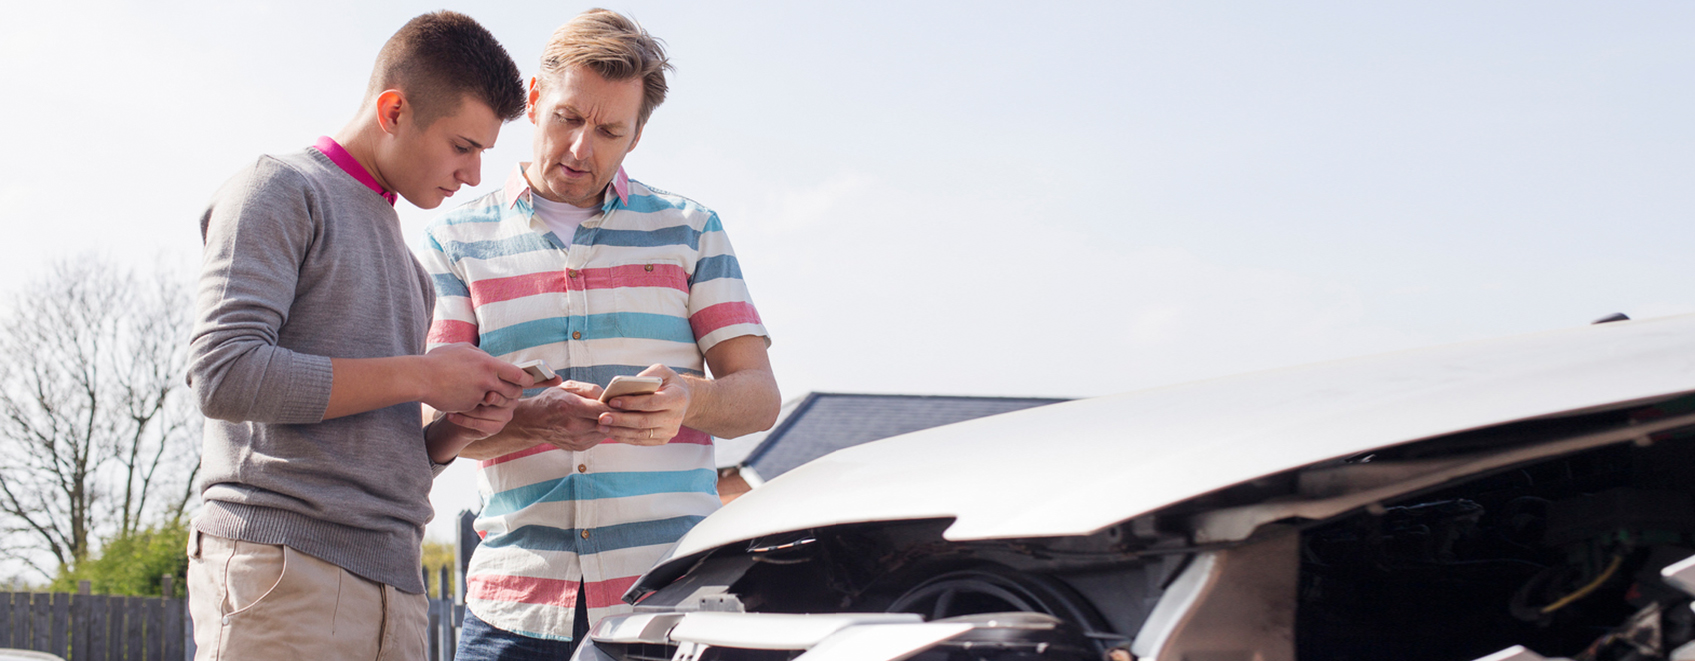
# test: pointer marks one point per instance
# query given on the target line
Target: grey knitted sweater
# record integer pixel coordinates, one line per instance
(303, 263)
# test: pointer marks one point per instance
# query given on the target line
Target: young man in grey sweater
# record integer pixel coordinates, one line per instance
(308, 361)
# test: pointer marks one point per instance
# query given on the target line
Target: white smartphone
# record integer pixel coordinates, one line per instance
(538, 370)
(631, 385)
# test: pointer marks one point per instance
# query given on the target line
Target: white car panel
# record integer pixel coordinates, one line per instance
(882, 642)
(1130, 454)
(774, 631)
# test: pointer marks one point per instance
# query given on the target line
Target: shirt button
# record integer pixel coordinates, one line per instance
(582, 468)
(585, 534)
(649, 267)
(576, 335)
(572, 272)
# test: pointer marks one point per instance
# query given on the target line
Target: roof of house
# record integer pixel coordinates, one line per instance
(821, 422)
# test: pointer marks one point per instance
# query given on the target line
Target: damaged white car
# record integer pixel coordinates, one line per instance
(1520, 498)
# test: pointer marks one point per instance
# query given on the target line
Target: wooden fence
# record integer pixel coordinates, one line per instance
(95, 627)
(445, 617)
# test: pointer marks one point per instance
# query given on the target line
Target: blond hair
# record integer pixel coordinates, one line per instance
(617, 48)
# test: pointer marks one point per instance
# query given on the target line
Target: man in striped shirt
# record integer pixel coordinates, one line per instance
(599, 275)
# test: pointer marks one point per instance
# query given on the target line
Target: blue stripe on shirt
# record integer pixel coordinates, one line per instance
(599, 540)
(664, 236)
(655, 203)
(502, 247)
(448, 284)
(594, 486)
(715, 267)
(537, 332)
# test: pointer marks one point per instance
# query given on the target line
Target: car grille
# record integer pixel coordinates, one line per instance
(650, 652)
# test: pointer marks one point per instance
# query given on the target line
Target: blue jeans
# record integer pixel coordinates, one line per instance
(478, 641)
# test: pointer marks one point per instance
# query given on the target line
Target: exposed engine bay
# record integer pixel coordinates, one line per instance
(1560, 554)
(1562, 557)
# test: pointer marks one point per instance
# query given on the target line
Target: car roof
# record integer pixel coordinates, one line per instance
(1077, 467)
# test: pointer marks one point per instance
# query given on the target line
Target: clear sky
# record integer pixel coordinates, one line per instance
(986, 198)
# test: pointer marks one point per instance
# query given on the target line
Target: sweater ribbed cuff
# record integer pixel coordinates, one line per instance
(308, 393)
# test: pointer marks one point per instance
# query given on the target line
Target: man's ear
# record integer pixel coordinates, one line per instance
(391, 104)
(635, 139)
(535, 96)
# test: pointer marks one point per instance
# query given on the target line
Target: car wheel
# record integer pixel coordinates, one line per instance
(994, 590)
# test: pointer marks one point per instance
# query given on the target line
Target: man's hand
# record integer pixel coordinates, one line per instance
(564, 417)
(455, 377)
(445, 437)
(460, 377)
(648, 419)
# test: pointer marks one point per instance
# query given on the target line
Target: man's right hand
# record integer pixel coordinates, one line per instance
(460, 377)
(564, 417)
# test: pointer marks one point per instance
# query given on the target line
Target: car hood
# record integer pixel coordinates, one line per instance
(1078, 467)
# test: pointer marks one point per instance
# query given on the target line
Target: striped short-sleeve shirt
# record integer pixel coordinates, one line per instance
(651, 279)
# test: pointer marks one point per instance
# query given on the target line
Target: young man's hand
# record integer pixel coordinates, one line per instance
(445, 437)
(649, 419)
(460, 377)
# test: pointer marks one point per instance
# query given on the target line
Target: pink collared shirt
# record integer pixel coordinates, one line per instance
(351, 165)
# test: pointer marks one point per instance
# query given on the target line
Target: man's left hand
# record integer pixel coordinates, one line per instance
(649, 419)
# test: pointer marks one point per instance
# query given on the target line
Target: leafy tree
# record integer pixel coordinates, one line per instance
(437, 555)
(132, 563)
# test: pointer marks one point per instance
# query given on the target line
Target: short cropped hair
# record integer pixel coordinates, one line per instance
(613, 46)
(438, 59)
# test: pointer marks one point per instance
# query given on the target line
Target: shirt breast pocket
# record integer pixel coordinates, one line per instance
(651, 300)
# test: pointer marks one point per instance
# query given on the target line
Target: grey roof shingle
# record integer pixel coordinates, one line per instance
(822, 423)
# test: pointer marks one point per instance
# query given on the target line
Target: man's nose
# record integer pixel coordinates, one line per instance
(474, 174)
(581, 149)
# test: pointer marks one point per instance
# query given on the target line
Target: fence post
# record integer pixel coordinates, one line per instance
(468, 541)
(188, 647)
(41, 620)
(449, 642)
(20, 619)
(80, 622)
(135, 619)
(170, 635)
(61, 624)
(6, 619)
(99, 628)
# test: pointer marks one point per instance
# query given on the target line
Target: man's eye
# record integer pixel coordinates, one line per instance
(462, 149)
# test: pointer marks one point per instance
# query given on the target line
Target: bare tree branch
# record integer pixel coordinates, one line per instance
(94, 415)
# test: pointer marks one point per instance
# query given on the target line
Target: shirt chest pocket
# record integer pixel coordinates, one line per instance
(647, 300)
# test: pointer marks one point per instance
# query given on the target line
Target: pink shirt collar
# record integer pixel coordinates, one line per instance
(340, 157)
(518, 186)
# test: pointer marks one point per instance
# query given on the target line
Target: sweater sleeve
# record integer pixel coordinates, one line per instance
(257, 233)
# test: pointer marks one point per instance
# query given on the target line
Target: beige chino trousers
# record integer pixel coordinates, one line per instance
(257, 601)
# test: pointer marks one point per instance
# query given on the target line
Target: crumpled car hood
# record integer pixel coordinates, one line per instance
(1077, 467)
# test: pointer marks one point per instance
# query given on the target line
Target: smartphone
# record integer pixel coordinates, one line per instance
(631, 385)
(537, 369)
